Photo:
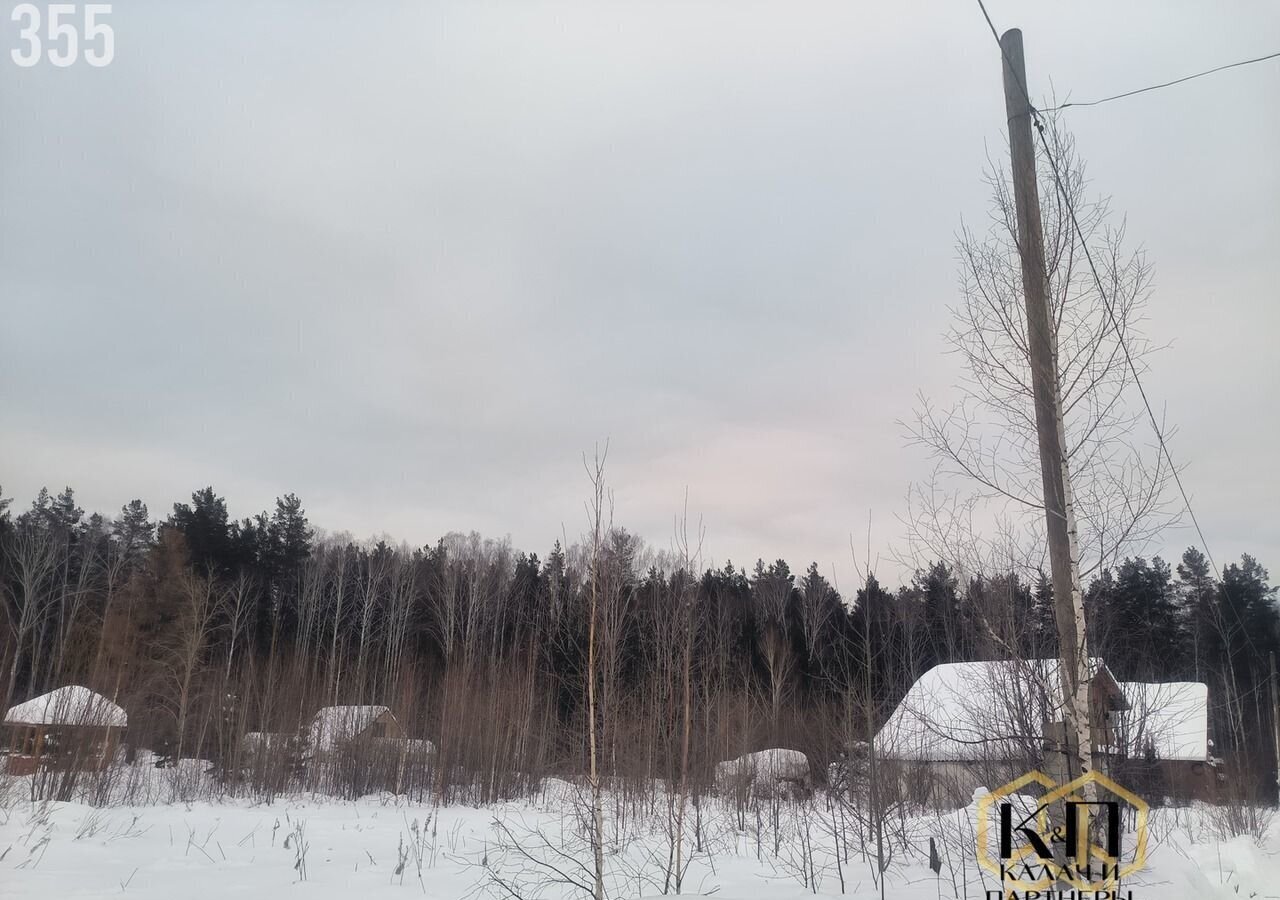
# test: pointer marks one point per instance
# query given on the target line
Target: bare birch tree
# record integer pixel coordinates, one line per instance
(191, 638)
(987, 438)
(690, 555)
(32, 558)
(595, 513)
(771, 590)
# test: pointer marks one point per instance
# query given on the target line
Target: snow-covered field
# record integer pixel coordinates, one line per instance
(316, 847)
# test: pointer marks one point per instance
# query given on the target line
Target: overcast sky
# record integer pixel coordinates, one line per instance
(410, 260)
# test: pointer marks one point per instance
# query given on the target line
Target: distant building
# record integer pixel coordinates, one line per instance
(981, 724)
(351, 750)
(1162, 741)
(256, 743)
(71, 728)
(765, 773)
(335, 728)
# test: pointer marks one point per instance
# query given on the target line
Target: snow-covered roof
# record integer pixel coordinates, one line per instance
(976, 710)
(70, 705)
(774, 763)
(333, 725)
(1171, 719)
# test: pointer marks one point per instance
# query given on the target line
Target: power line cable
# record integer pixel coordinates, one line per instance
(1154, 87)
(1165, 84)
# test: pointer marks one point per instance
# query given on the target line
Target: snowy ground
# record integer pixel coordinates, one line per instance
(318, 848)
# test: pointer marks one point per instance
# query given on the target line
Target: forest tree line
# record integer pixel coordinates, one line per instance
(205, 627)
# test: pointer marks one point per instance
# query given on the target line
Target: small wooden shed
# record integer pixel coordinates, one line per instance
(71, 727)
(338, 727)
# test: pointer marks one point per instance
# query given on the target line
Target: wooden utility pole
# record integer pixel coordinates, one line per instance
(1042, 344)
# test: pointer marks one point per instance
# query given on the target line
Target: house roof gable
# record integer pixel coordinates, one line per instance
(332, 725)
(981, 710)
(72, 705)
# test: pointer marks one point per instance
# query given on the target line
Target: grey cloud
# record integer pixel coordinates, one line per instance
(411, 260)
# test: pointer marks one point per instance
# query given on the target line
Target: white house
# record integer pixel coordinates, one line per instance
(964, 725)
(1169, 721)
(1163, 735)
